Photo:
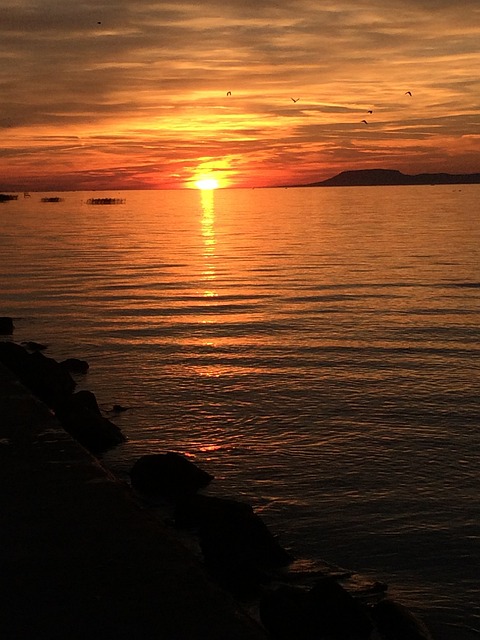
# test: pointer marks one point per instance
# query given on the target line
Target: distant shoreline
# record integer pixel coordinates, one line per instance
(391, 177)
(352, 178)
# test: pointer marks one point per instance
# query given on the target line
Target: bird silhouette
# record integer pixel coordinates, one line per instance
(229, 93)
(369, 111)
(295, 100)
(364, 122)
(408, 93)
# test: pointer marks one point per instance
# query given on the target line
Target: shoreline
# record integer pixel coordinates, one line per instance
(80, 557)
(299, 577)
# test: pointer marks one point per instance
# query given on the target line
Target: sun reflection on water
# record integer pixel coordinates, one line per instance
(209, 239)
(209, 271)
(208, 221)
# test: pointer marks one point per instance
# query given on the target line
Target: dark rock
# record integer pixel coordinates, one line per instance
(80, 415)
(229, 526)
(326, 611)
(74, 365)
(336, 612)
(49, 380)
(42, 375)
(6, 326)
(168, 475)
(284, 612)
(237, 546)
(395, 622)
(80, 401)
(34, 346)
(15, 357)
(198, 510)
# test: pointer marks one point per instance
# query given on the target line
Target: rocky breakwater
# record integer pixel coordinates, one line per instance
(292, 600)
(52, 382)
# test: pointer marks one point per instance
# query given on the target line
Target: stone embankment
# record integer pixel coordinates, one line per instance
(82, 558)
(79, 558)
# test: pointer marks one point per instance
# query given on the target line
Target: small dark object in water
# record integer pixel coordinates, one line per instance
(5, 197)
(106, 201)
(118, 408)
(52, 199)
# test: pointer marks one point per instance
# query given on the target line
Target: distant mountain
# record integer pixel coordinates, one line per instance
(383, 177)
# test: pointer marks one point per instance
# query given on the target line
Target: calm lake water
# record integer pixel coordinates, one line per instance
(317, 350)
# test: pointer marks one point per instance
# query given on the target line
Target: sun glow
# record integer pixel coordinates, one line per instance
(207, 184)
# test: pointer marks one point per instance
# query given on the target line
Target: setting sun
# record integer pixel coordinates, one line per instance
(206, 183)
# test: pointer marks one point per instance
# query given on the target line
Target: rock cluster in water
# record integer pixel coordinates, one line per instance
(242, 554)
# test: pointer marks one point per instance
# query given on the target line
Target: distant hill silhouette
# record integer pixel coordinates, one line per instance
(383, 177)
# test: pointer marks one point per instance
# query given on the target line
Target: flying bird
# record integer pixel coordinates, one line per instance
(295, 100)
(229, 93)
(408, 93)
(369, 111)
(364, 122)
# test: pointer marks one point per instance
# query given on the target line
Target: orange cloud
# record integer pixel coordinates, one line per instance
(140, 100)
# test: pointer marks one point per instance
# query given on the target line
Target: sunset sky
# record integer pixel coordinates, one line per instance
(121, 94)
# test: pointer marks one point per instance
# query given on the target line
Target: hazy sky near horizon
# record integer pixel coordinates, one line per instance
(133, 93)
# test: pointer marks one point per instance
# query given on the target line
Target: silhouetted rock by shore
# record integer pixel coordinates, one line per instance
(168, 475)
(31, 345)
(237, 546)
(75, 365)
(6, 325)
(80, 415)
(325, 611)
(245, 558)
(395, 622)
(42, 375)
(51, 381)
